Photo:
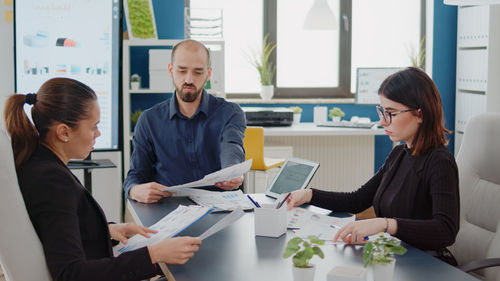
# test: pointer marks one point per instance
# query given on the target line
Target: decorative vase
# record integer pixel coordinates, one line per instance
(303, 273)
(296, 118)
(383, 271)
(266, 92)
(336, 119)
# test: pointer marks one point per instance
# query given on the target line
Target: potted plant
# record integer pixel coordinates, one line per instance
(297, 112)
(135, 116)
(336, 113)
(265, 68)
(380, 254)
(135, 81)
(303, 250)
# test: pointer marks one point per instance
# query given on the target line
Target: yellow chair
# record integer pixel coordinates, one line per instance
(254, 149)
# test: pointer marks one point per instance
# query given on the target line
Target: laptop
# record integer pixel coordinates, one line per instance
(295, 174)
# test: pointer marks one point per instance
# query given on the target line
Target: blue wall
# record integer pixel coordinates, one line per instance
(444, 61)
(170, 25)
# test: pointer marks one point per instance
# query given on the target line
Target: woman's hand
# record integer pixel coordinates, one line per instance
(356, 231)
(299, 197)
(176, 250)
(121, 231)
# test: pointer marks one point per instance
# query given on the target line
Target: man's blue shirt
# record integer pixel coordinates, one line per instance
(171, 149)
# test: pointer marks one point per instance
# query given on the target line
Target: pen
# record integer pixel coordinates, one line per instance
(254, 202)
(281, 203)
(338, 227)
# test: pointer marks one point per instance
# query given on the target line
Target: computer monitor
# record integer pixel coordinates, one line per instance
(369, 81)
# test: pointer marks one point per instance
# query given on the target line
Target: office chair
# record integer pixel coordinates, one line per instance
(477, 246)
(21, 253)
(254, 149)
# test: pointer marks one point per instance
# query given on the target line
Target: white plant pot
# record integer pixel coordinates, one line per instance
(336, 119)
(296, 118)
(266, 92)
(135, 85)
(383, 271)
(303, 273)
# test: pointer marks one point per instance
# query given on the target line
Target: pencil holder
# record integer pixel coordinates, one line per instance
(269, 221)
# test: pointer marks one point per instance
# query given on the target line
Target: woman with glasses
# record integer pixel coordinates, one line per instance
(415, 193)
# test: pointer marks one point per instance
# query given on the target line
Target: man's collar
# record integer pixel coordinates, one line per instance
(203, 107)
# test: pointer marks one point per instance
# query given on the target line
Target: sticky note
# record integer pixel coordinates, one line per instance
(7, 2)
(9, 17)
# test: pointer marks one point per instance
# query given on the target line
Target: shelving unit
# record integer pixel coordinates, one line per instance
(216, 48)
(478, 65)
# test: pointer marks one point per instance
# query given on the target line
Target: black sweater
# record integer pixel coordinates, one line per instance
(72, 227)
(420, 192)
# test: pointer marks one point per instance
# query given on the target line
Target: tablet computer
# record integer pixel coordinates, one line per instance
(295, 174)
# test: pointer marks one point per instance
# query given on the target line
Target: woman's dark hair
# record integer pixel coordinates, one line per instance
(61, 100)
(415, 89)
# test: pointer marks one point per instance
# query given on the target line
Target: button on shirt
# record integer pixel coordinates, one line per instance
(170, 148)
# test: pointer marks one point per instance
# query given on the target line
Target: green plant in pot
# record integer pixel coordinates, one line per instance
(336, 113)
(303, 251)
(135, 116)
(380, 254)
(265, 68)
(297, 112)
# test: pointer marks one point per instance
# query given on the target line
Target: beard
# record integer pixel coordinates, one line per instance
(188, 95)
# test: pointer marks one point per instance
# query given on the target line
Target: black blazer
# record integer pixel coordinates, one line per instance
(423, 197)
(72, 226)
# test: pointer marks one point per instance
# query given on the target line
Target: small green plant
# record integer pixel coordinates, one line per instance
(382, 250)
(296, 109)
(135, 78)
(265, 68)
(336, 112)
(303, 250)
(418, 58)
(135, 116)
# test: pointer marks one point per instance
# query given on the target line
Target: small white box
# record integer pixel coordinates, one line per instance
(320, 115)
(269, 221)
(346, 273)
(159, 59)
(161, 80)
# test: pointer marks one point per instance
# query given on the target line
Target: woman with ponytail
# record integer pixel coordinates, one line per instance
(76, 238)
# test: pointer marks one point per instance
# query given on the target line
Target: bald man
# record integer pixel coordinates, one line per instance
(187, 136)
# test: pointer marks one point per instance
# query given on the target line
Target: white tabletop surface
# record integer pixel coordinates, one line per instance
(310, 129)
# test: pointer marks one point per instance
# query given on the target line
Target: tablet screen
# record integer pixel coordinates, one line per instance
(294, 175)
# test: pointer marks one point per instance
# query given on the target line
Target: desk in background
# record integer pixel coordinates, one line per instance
(236, 254)
(346, 155)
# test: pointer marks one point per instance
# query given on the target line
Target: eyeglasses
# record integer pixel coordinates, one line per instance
(387, 116)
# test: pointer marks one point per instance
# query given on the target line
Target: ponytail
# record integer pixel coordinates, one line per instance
(24, 135)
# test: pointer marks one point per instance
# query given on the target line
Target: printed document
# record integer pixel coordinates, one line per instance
(225, 174)
(169, 226)
(223, 223)
(299, 217)
(219, 201)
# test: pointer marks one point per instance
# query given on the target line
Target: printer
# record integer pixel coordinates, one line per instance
(268, 116)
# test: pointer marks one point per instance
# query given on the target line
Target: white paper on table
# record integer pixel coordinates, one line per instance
(169, 226)
(298, 217)
(219, 201)
(225, 174)
(223, 223)
(321, 230)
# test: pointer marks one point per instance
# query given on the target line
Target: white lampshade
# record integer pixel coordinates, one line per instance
(320, 17)
(471, 2)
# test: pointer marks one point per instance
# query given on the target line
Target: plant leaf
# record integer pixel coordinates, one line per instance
(318, 251)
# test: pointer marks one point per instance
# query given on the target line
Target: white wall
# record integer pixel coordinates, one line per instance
(6, 55)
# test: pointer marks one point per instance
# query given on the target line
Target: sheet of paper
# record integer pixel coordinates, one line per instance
(219, 201)
(169, 226)
(225, 174)
(320, 230)
(223, 223)
(298, 217)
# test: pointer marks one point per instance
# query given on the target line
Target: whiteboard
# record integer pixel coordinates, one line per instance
(369, 80)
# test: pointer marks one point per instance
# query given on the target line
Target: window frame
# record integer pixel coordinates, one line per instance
(345, 23)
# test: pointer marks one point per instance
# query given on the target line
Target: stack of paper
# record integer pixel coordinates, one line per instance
(169, 226)
(308, 223)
